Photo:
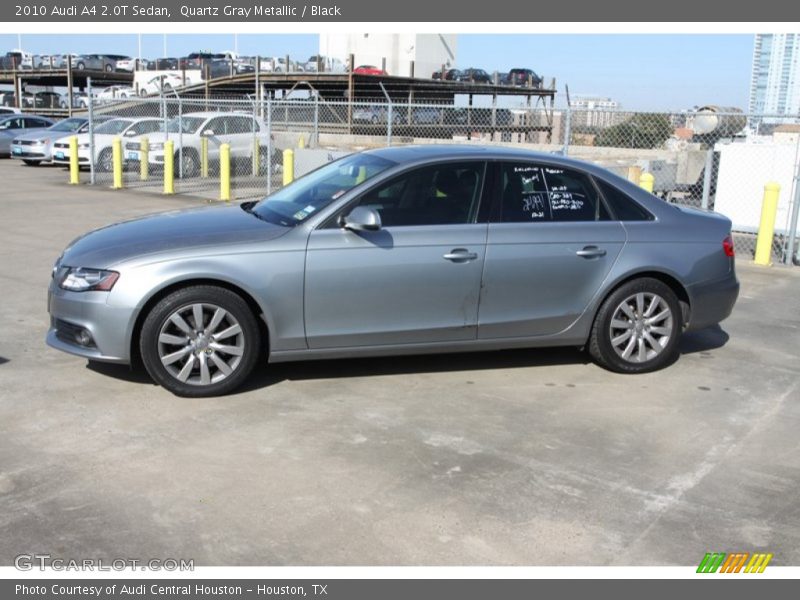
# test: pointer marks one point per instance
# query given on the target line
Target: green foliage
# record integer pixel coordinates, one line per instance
(642, 130)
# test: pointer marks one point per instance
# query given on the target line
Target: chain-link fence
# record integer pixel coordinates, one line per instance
(709, 158)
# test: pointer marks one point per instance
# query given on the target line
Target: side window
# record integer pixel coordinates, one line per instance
(445, 194)
(217, 125)
(540, 193)
(624, 208)
(240, 125)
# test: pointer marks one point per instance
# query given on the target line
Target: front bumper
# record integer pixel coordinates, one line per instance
(110, 327)
(41, 152)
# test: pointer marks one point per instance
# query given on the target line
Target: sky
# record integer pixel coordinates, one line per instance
(641, 72)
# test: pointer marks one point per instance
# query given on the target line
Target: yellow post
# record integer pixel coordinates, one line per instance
(203, 157)
(169, 167)
(288, 166)
(256, 157)
(225, 172)
(116, 155)
(144, 159)
(74, 169)
(301, 143)
(646, 181)
(766, 229)
(362, 175)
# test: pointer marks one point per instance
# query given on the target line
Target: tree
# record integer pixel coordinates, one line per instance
(642, 130)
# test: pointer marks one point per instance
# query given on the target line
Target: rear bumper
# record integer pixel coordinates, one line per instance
(712, 302)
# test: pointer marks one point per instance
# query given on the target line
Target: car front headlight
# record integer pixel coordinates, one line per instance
(83, 145)
(156, 145)
(81, 279)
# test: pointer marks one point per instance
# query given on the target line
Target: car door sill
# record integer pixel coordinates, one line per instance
(429, 348)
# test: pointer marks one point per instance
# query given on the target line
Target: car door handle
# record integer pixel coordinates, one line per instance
(460, 255)
(591, 252)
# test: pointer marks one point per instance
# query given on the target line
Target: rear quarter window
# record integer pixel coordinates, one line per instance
(624, 207)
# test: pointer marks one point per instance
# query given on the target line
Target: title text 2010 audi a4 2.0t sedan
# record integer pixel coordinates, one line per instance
(398, 251)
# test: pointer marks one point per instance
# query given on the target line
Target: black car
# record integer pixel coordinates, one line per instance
(49, 100)
(163, 64)
(523, 78)
(449, 75)
(475, 76)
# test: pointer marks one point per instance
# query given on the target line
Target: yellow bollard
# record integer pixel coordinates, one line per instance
(646, 181)
(144, 159)
(204, 157)
(362, 175)
(288, 166)
(225, 172)
(116, 156)
(301, 143)
(766, 229)
(74, 168)
(169, 167)
(256, 157)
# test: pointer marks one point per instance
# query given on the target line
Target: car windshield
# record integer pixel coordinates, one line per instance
(114, 126)
(69, 125)
(308, 195)
(184, 124)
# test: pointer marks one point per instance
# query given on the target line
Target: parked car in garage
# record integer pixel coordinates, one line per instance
(163, 64)
(48, 99)
(374, 114)
(104, 135)
(400, 250)
(100, 62)
(523, 78)
(36, 147)
(165, 82)
(475, 76)
(449, 75)
(14, 125)
(426, 115)
(236, 129)
(369, 70)
(115, 92)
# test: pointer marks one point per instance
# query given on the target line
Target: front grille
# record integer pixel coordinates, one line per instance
(26, 142)
(133, 146)
(61, 145)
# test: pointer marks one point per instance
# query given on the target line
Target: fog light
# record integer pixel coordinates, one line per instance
(83, 337)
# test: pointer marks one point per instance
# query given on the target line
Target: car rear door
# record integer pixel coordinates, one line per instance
(551, 244)
(417, 279)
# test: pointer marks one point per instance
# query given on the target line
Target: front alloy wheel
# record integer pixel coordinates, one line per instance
(200, 341)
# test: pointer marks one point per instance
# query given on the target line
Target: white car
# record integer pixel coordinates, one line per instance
(165, 82)
(114, 92)
(104, 135)
(129, 64)
(241, 131)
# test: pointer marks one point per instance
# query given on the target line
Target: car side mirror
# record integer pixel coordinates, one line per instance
(130, 133)
(362, 218)
(208, 132)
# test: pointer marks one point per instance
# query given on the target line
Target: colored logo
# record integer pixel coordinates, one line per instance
(735, 562)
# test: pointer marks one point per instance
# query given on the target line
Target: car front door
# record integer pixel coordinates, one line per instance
(550, 247)
(417, 279)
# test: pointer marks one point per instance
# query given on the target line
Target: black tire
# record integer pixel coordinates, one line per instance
(211, 297)
(191, 163)
(109, 68)
(263, 160)
(603, 350)
(105, 161)
(374, 119)
(80, 66)
(31, 163)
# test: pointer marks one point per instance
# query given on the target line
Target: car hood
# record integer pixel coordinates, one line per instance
(38, 134)
(170, 232)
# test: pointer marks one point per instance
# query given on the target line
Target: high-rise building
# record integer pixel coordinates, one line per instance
(595, 111)
(775, 82)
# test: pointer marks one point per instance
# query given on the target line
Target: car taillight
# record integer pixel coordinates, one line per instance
(727, 246)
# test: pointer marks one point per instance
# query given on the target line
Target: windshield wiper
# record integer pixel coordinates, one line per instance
(248, 208)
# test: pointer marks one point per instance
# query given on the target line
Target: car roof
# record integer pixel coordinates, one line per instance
(427, 152)
(215, 113)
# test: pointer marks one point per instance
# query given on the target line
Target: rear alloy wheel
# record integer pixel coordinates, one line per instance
(200, 341)
(637, 328)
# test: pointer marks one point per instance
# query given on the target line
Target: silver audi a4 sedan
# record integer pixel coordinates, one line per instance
(398, 251)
